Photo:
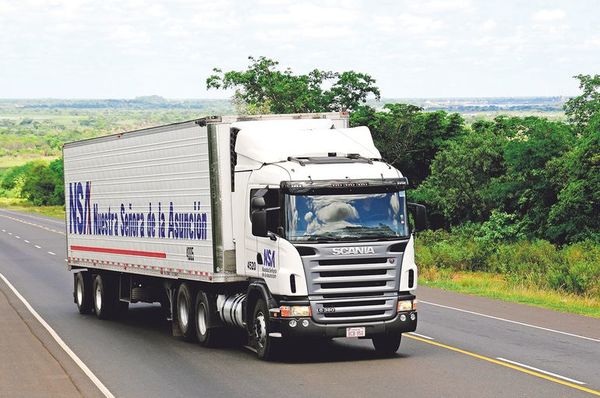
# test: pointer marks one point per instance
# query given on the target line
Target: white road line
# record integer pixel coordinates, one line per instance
(60, 342)
(27, 215)
(33, 224)
(38, 247)
(10, 233)
(25, 240)
(66, 260)
(18, 237)
(421, 335)
(3, 230)
(53, 254)
(511, 321)
(541, 371)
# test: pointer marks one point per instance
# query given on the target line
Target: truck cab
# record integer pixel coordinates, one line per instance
(321, 225)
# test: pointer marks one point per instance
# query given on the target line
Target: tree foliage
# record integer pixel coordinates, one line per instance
(263, 88)
(409, 138)
(582, 108)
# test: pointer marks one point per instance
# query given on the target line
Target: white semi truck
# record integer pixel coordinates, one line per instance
(287, 226)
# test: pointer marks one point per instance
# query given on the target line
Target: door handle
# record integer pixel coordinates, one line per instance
(259, 258)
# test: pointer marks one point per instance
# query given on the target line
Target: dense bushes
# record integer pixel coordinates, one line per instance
(573, 268)
(41, 183)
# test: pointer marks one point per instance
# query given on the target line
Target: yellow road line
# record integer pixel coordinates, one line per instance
(505, 364)
(32, 224)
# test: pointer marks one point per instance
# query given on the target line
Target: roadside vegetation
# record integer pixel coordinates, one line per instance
(513, 201)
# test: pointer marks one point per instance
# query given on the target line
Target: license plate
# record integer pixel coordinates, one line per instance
(355, 332)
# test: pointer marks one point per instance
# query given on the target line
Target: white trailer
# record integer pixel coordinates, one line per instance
(282, 225)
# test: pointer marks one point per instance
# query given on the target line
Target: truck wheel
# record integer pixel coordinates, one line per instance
(186, 316)
(105, 297)
(386, 344)
(264, 344)
(83, 292)
(206, 335)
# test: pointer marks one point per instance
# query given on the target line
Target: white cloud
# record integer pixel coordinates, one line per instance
(547, 15)
(488, 25)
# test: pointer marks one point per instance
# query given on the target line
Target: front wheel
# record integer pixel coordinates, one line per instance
(387, 345)
(264, 344)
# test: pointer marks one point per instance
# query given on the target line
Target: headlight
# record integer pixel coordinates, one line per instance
(405, 305)
(287, 311)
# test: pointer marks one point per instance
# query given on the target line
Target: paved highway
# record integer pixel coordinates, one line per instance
(465, 346)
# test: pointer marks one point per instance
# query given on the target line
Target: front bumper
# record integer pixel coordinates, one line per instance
(315, 330)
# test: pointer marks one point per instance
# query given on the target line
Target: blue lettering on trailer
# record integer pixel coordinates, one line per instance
(88, 218)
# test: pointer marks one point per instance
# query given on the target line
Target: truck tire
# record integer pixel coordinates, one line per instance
(105, 296)
(83, 292)
(186, 316)
(206, 335)
(387, 344)
(266, 348)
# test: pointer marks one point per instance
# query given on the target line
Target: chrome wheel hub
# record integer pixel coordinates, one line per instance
(260, 329)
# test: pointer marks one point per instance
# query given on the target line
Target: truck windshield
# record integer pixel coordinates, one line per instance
(346, 217)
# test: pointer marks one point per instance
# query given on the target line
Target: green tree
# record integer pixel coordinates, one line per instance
(263, 88)
(575, 215)
(582, 108)
(458, 189)
(409, 138)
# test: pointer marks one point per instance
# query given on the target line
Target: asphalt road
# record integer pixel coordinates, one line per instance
(465, 347)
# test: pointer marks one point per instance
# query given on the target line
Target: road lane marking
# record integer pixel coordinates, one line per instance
(541, 371)
(511, 321)
(507, 365)
(60, 341)
(27, 215)
(18, 237)
(25, 240)
(32, 224)
(3, 230)
(421, 335)
(51, 253)
(38, 247)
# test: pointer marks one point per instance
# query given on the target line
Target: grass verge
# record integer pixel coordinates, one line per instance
(23, 205)
(498, 287)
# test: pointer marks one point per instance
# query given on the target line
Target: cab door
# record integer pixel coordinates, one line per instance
(265, 253)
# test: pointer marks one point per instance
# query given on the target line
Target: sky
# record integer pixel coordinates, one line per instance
(414, 49)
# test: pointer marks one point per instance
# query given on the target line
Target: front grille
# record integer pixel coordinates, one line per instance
(353, 288)
(353, 275)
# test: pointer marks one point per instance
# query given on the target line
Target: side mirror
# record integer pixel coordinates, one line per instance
(419, 213)
(259, 221)
(258, 203)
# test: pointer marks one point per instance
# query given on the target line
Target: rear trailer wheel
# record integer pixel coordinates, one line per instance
(386, 344)
(105, 296)
(206, 335)
(83, 292)
(186, 316)
(266, 348)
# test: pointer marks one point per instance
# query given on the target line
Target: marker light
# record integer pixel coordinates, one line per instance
(405, 305)
(287, 311)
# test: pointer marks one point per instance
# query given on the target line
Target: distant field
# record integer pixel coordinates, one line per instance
(37, 128)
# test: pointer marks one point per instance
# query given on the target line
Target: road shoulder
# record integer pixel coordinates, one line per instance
(33, 364)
